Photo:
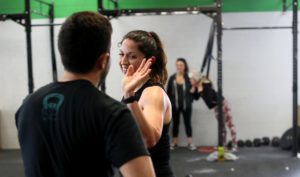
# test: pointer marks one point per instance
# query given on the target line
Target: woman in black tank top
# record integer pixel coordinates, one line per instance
(143, 63)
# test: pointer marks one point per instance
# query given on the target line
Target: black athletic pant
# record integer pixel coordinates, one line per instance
(187, 115)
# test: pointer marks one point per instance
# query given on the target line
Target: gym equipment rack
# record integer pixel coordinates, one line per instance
(24, 19)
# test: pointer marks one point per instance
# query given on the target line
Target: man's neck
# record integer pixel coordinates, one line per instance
(69, 76)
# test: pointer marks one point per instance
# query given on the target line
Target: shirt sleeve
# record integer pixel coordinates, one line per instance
(123, 138)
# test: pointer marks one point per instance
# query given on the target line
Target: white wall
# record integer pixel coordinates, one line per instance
(257, 69)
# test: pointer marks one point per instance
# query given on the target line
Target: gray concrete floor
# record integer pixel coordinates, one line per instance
(253, 162)
(11, 164)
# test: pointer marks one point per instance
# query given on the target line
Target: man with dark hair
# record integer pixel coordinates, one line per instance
(69, 128)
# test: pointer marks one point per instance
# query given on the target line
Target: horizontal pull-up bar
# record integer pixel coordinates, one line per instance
(119, 12)
(46, 24)
(257, 28)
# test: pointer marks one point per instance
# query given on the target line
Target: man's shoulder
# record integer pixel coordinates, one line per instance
(110, 103)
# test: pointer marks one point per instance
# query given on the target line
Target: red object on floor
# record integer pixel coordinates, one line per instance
(207, 149)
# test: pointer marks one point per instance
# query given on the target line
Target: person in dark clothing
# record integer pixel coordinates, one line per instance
(147, 99)
(71, 129)
(179, 92)
(203, 87)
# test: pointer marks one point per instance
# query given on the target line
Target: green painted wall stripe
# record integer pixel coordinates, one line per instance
(64, 8)
(11, 6)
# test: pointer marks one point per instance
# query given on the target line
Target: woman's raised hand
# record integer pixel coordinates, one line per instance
(133, 80)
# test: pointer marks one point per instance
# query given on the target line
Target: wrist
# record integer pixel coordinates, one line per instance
(129, 99)
(127, 95)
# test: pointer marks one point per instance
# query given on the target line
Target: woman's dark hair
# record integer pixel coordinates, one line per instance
(150, 45)
(82, 39)
(186, 67)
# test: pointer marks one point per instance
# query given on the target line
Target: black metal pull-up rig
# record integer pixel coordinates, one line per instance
(213, 11)
(24, 19)
(217, 20)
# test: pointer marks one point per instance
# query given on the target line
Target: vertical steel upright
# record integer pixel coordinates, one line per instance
(295, 77)
(52, 41)
(28, 42)
(221, 127)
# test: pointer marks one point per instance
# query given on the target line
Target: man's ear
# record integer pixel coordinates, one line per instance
(103, 60)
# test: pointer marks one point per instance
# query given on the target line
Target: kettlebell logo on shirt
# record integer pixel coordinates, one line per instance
(51, 105)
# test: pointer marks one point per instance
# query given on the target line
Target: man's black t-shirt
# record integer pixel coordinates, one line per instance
(72, 129)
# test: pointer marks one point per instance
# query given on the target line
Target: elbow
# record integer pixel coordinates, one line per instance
(151, 141)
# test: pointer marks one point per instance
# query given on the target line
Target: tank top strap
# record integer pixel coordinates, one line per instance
(149, 83)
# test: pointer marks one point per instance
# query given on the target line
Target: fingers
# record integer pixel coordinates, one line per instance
(145, 66)
(130, 71)
(143, 70)
(146, 74)
(133, 79)
(144, 77)
(141, 65)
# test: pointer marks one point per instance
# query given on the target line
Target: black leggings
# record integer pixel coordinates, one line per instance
(187, 115)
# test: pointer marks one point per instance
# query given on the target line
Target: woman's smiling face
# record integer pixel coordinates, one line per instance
(130, 55)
